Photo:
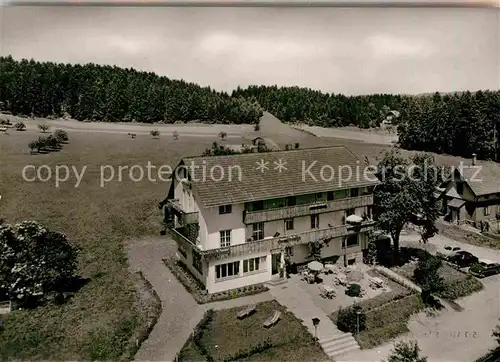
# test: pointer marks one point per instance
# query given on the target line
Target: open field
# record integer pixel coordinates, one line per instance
(99, 320)
(225, 338)
(375, 136)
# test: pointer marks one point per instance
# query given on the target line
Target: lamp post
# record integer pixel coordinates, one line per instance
(315, 324)
(357, 321)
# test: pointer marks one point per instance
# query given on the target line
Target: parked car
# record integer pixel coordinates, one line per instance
(484, 268)
(463, 259)
(449, 251)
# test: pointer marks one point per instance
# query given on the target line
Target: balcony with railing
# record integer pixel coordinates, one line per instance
(183, 217)
(271, 243)
(250, 217)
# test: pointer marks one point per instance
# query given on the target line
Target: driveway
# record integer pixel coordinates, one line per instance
(438, 241)
(451, 336)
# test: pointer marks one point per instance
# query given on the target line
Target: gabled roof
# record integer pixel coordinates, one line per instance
(293, 179)
(453, 193)
(456, 203)
(483, 179)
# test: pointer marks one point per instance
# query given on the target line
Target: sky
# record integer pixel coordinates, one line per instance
(350, 51)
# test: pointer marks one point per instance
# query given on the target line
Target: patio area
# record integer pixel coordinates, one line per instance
(329, 289)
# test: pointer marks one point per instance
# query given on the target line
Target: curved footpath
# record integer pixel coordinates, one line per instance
(180, 313)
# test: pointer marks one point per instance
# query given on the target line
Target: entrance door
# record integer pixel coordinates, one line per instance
(275, 263)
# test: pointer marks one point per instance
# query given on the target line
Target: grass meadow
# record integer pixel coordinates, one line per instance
(99, 320)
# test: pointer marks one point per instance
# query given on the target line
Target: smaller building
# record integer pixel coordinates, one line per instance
(472, 194)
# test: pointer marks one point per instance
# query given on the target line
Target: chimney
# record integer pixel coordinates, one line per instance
(474, 159)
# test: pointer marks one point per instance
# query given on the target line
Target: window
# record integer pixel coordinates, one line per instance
(197, 261)
(225, 238)
(225, 209)
(274, 203)
(320, 197)
(338, 194)
(255, 206)
(350, 212)
(290, 201)
(227, 270)
(354, 192)
(329, 195)
(254, 264)
(486, 211)
(315, 221)
(258, 231)
(305, 199)
(352, 240)
(288, 224)
(460, 188)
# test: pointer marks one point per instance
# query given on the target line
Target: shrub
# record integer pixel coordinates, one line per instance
(155, 133)
(222, 135)
(348, 319)
(52, 142)
(354, 290)
(29, 272)
(20, 126)
(426, 274)
(256, 128)
(61, 135)
(175, 135)
(44, 127)
(496, 333)
(406, 352)
(33, 145)
(41, 143)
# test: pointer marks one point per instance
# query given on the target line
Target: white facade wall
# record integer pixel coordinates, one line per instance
(243, 279)
(216, 222)
(211, 223)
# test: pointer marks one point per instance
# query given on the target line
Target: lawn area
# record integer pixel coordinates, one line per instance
(101, 320)
(455, 233)
(457, 284)
(387, 315)
(223, 337)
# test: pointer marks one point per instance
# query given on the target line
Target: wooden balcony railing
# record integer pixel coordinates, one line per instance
(183, 217)
(250, 217)
(267, 244)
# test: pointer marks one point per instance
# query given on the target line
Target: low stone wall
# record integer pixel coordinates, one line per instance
(398, 278)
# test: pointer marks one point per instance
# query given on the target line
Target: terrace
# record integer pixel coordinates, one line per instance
(250, 217)
(183, 217)
(269, 243)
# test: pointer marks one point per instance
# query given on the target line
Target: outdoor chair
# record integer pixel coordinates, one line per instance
(272, 320)
(246, 312)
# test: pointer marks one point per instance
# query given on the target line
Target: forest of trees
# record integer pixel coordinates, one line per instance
(312, 107)
(112, 94)
(457, 124)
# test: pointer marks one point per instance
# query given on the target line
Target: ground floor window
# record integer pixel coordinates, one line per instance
(227, 270)
(197, 261)
(254, 264)
(486, 211)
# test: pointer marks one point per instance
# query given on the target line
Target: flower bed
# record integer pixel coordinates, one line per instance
(198, 290)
